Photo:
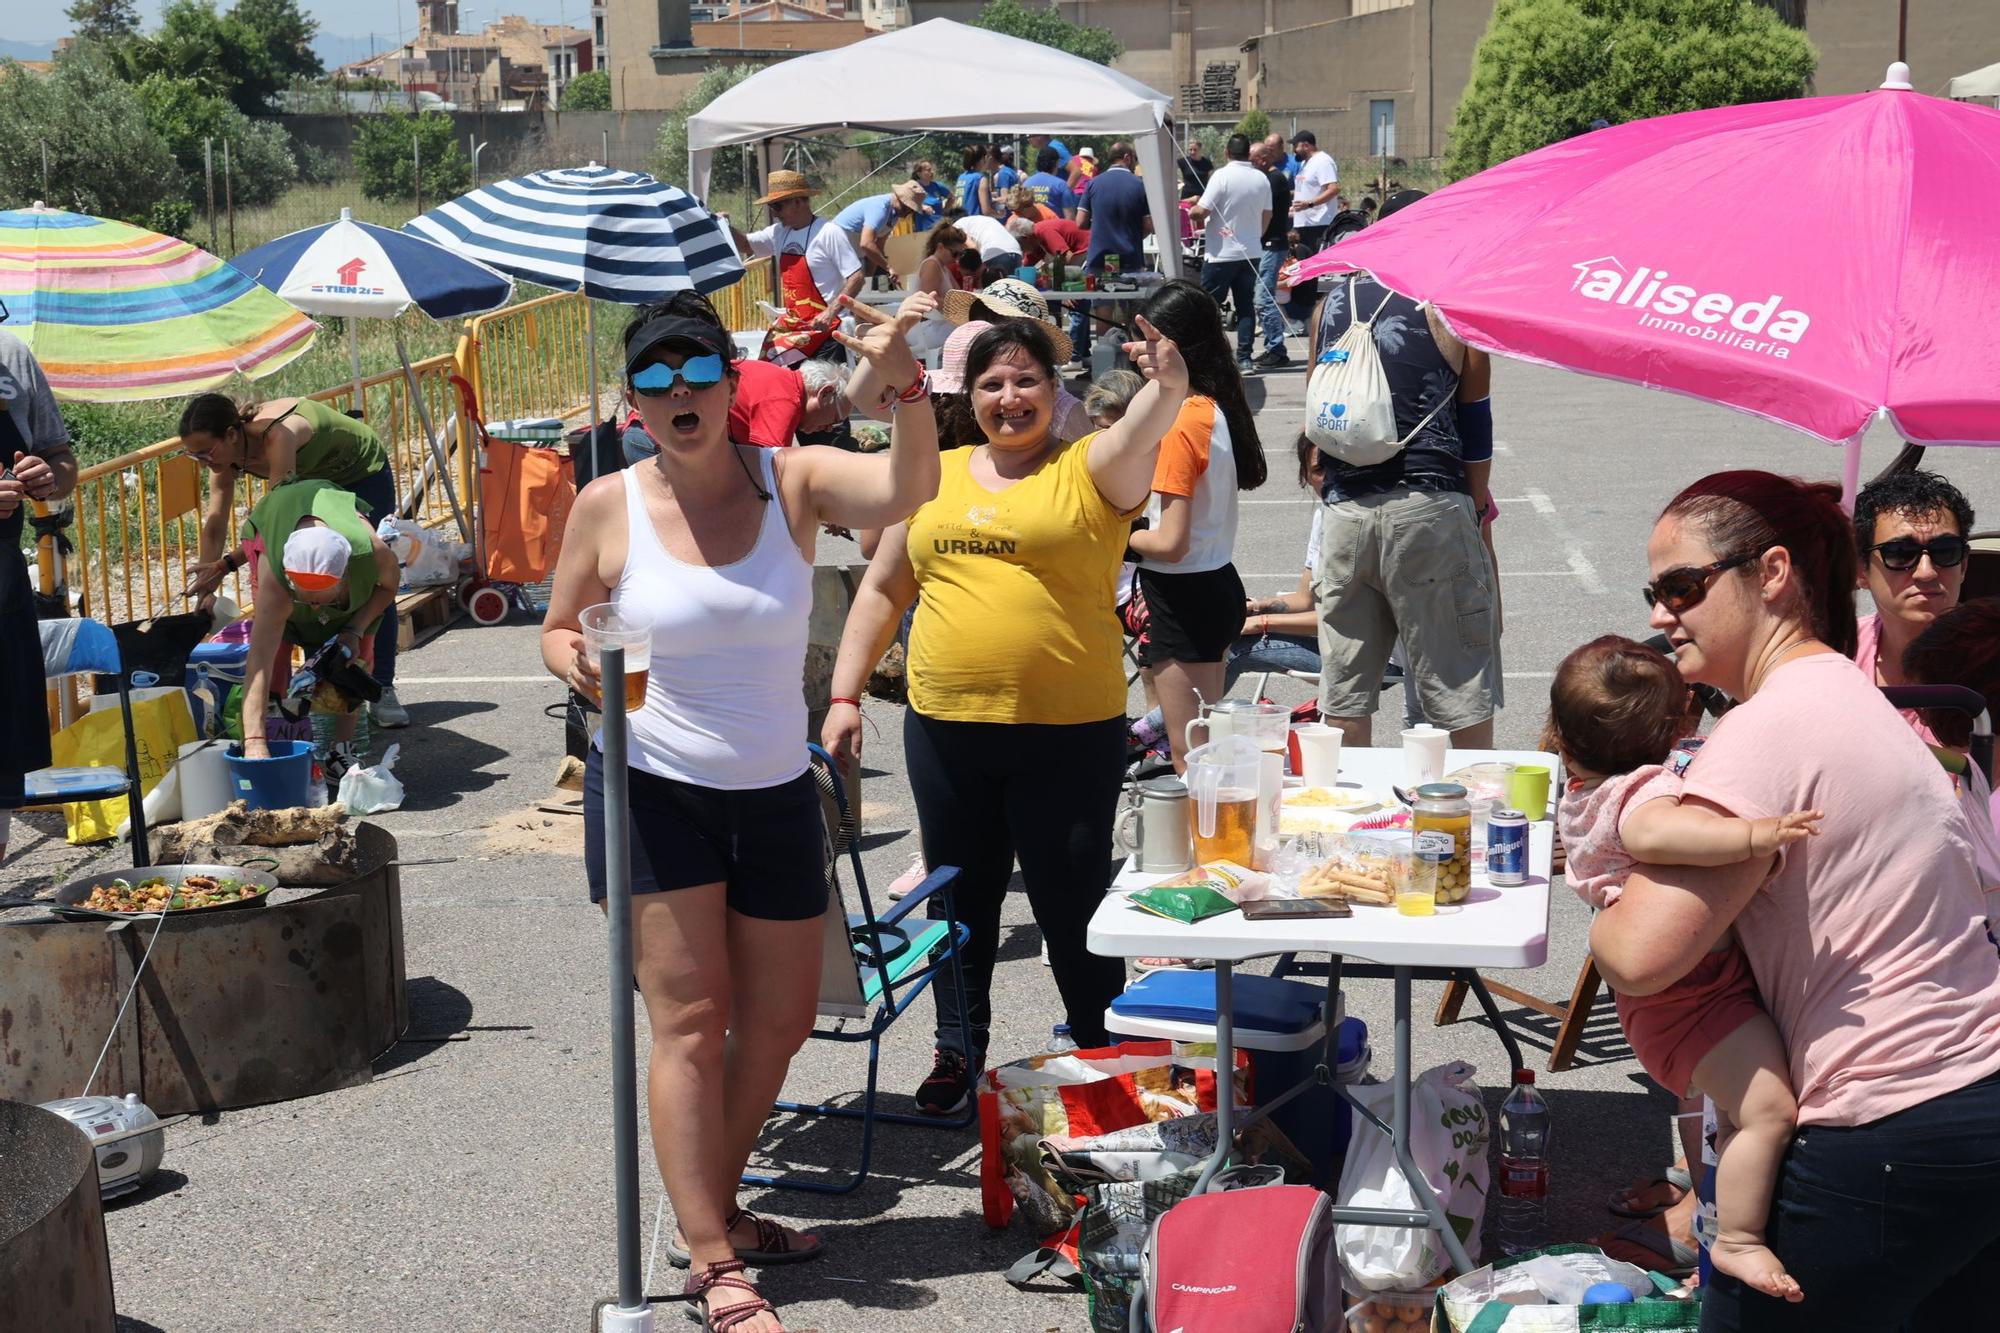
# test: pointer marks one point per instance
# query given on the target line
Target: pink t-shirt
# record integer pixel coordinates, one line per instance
(1869, 941)
(1590, 819)
(1866, 646)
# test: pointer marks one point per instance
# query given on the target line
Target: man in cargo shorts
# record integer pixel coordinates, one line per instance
(1401, 550)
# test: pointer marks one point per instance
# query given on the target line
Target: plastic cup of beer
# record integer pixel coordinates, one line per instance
(605, 626)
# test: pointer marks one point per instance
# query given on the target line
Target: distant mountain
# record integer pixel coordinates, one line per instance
(11, 50)
(334, 50)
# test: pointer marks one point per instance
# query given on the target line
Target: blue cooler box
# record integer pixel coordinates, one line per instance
(1317, 1121)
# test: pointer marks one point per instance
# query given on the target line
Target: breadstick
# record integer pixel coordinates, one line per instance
(1365, 882)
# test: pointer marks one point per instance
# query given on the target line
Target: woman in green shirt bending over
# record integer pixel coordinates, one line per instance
(321, 578)
(289, 439)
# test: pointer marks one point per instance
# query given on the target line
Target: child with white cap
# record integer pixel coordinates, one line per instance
(325, 574)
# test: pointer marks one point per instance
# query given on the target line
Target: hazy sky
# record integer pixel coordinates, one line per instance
(346, 18)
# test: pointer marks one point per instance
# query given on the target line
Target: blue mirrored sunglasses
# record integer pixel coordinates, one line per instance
(698, 372)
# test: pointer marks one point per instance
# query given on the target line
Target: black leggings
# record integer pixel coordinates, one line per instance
(988, 792)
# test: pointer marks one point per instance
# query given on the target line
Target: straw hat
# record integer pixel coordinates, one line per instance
(785, 185)
(1009, 298)
(949, 377)
(911, 196)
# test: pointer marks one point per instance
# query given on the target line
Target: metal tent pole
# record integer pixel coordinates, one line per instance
(632, 1314)
(430, 434)
(590, 332)
(360, 404)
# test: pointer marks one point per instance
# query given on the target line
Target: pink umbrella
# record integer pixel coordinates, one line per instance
(1815, 262)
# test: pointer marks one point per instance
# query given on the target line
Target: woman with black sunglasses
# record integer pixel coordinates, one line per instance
(712, 543)
(1867, 944)
(1910, 530)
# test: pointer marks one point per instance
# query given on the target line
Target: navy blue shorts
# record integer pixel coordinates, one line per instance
(766, 844)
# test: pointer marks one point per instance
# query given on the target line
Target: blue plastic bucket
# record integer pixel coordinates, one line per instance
(277, 783)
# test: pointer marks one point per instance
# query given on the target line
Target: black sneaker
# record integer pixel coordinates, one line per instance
(949, 1087)
(1272, 357)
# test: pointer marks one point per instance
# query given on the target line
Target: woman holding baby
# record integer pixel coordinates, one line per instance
(1866, 941)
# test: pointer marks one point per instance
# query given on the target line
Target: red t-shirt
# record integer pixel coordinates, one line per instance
(1062, 234)
(770, 403)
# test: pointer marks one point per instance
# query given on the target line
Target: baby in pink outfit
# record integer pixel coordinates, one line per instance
(1616, 710)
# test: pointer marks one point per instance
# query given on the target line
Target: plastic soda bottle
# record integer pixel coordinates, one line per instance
(1060, 1041)
(1524, 1167)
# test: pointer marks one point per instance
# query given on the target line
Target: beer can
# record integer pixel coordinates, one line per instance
(1506, 848)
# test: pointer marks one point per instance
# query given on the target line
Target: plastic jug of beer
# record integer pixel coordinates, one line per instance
(1222, 778)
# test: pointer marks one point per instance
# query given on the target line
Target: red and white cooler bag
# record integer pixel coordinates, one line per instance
(1248, 1261)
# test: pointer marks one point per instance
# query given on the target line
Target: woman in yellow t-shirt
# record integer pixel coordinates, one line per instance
(1015, 734)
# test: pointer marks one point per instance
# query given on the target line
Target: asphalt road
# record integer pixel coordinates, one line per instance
(469, 1186)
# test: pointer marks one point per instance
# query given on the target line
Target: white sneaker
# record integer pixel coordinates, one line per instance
(914, 874)
(388, 711)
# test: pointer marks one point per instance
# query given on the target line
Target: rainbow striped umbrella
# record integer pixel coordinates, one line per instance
(116, 313)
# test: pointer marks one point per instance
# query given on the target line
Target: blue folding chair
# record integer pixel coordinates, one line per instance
(70, 647)
(872, 970)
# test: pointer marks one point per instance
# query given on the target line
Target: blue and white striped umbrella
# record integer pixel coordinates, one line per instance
(619, 235)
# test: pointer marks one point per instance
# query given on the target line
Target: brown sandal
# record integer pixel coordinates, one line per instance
(774, 1244)
(720, 1274)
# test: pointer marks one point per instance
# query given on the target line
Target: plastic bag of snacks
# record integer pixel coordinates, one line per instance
(1360, 867)
(1205, 891)
(1187, 905)
(1239, 883)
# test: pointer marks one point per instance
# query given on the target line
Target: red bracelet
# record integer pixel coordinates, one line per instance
(918, 388)
(838, 700)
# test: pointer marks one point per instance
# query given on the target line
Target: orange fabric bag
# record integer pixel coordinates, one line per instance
(525, 499)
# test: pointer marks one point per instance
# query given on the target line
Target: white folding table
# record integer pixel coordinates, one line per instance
(1492, 928)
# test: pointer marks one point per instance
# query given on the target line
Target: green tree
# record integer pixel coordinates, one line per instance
(223, 56)
(286, 32)
(670, 149)
(589, 91)
(385, 161)
(261, 164)
(103, 158)
(1254, 125)
(1547, 68)
(104, 20)
(1050, 28)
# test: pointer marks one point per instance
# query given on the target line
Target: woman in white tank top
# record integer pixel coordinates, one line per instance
(712, 542)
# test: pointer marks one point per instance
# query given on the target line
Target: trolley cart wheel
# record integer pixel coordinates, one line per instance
(487, 605)
(467, 585)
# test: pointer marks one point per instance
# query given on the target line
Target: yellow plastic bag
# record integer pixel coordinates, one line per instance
(162, 724)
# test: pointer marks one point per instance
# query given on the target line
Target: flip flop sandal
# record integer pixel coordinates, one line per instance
(713, 1277)
(1676, 1259)
(1677, 1177)
(774, 1245)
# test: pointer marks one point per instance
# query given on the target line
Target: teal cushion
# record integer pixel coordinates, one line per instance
(910, 943)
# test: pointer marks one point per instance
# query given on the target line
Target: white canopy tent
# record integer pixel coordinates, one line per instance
(942, 75)
(1979, 83)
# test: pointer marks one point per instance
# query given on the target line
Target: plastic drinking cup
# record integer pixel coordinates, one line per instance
(605, 626)
(1424, 750)
(1319, 754)
(1531, 790)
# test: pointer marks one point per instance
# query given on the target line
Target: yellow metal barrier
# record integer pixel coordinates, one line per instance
(138, 517)
(738, 304)
(532, 359)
